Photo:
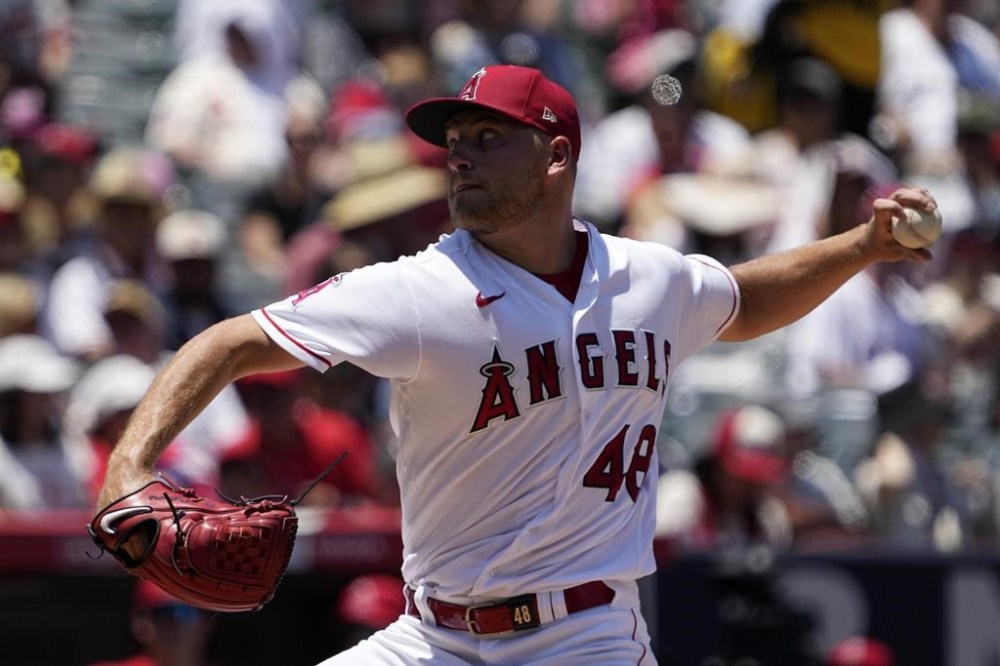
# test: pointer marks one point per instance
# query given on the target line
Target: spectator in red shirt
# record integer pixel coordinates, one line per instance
(291, 441)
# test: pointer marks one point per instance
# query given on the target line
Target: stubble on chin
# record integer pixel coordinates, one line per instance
(479, 220)
(497, 213)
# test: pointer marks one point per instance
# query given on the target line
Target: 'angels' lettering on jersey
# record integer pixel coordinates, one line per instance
(544, 378)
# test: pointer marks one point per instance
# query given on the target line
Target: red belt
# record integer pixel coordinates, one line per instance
(507, 615)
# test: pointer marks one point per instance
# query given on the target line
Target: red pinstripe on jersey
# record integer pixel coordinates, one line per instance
(293, 340)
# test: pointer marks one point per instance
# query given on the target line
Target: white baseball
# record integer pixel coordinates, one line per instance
(919, 229)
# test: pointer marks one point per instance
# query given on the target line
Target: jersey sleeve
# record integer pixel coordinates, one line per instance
(367, 317)
(713, 305)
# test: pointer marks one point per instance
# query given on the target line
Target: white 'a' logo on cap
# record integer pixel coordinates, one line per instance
(549, 116)
(472, 87)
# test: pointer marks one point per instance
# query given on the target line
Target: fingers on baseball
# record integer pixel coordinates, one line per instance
(915, 197)
(886, 210)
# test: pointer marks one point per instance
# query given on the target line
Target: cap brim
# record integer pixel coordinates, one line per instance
(427, 119)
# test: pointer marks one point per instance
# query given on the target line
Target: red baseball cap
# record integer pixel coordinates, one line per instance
(522, 94)
(749, 443)
(66, 142)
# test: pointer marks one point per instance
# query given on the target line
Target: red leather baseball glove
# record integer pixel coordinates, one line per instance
(223, 556)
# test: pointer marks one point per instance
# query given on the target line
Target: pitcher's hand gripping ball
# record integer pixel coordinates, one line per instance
(219, 555)
(919, 229)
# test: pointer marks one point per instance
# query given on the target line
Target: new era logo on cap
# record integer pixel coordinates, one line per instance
(520, 93)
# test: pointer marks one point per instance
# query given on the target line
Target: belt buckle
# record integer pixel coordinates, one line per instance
(523, 615)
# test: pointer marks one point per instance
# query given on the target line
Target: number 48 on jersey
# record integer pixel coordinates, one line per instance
(608, 470)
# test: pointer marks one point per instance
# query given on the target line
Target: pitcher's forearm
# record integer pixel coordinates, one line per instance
(192, 379)
(779, 289)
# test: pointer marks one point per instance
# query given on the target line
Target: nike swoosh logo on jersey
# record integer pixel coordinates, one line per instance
(109, 519)
(483, 301)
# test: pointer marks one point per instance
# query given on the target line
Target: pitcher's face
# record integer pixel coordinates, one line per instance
(496, 171)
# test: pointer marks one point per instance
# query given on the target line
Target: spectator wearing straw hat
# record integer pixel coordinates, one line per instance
(192, 243)
(129, 185)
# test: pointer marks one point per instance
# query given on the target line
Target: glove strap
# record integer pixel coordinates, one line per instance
(244, 501)
(319, 478)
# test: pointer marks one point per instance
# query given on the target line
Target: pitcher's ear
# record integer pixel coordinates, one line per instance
(562, 152)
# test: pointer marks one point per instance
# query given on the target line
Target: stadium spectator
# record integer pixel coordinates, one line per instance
(292, 199)
(387, 202)
(19, 298)
(129, 185)
(138, 324)
(332, 50)
(15, 248)
(291, 441)
(727, 500)
(797, 155)
(935, 61)
(629, 150)
(57, 162)
(365, 605)
(485, 33)
(192, 242)
(393, 212)
(886, 341)
(97, 410)
(36, 468)
(910, 494)
(931, 55)
(137, 321)
(221, 113)
(822, 503)
(963, 309)
(168, 632)
(101, 403)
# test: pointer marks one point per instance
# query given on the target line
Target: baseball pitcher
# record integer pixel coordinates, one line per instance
(530, 359)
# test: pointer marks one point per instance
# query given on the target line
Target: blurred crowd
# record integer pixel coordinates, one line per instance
(165, 164)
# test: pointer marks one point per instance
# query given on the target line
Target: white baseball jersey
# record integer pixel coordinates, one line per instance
(526, 424)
